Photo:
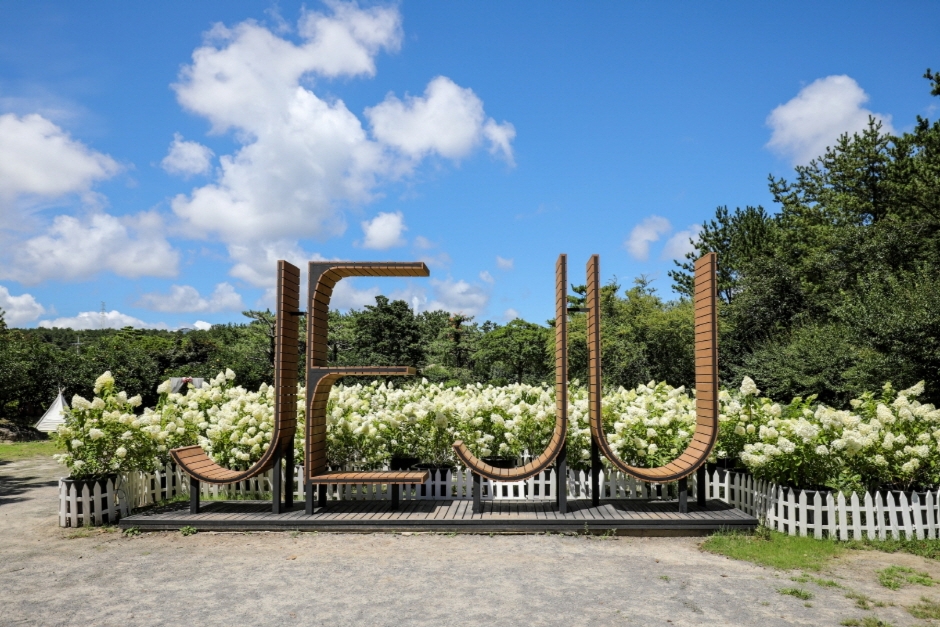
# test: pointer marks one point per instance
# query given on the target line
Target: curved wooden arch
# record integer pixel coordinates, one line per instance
(556, 445)
(194, 461)
(706, 376)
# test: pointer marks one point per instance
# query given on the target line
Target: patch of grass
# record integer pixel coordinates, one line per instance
(863, 601)
(799, 593)
(664, 577)
(188, 530)
(15, 451)
(868, 621)
(130, 532)
(896, 576)
(927, 609)
(774, 549)
(924, 548)
(81, 532)
(824, 583)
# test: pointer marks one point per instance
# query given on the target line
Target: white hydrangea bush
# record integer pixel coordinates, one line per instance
(652, 424)
(888, 439)
(104, 436)
(884, 440)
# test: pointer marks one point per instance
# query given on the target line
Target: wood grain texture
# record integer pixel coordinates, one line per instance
(195, 462)
(322, 277)
(545, 459)
(706, 376)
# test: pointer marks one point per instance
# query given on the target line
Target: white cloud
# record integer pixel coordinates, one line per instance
(504, 264)
(346, 296)
(458, 297)
(679, 244)
(645, 233)
(815, 118)
(500, 137)
(257, 263)
(449, 120)
(187, 158)
(486, 277)
(510, 314)
(74, 249)
(98, 320)
(201, 325)
(423, 243)
(39, 159)
(185, 298)
(384, 231)
(440, 260)
(304, 158)
(19, 309)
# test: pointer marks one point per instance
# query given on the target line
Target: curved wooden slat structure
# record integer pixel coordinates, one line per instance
(706, 376)
(557, 444)
(323, 277)
(194, 461)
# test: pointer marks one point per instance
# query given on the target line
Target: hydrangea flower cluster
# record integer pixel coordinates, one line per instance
(888, 439)
(884, 439)
(104, 436)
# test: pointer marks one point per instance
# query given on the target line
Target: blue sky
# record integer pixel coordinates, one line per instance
(160, 158)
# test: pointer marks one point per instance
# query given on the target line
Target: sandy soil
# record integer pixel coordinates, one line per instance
(53, 576)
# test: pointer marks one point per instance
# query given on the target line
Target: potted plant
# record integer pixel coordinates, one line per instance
(102, 438)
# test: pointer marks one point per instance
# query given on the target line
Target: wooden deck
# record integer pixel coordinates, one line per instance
(621, 516)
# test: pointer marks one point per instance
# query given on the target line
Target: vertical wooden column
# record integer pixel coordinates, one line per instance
(561, 378)
(286, 337)
(595, 390)
(705, 301)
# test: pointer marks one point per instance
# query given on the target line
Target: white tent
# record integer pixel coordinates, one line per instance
(54, 416)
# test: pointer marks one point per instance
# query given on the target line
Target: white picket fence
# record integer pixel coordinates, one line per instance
(877, 516)
(88, 506)
(143, 489)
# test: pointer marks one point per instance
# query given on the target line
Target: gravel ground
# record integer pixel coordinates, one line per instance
(53, 576)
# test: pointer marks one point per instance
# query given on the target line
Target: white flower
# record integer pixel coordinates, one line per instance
(121, 452)
(748, 387)
(95, 434)
(77, 444)
(104, 380)
(165, 387)
(78, 463)
(822, 450)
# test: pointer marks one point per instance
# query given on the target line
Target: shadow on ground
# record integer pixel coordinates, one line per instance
(12, 488)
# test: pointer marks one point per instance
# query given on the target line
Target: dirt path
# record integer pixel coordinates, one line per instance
(52, 576)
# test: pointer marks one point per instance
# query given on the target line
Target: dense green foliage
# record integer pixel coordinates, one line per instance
(839, 290)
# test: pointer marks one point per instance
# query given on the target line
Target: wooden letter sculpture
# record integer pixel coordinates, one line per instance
(320, 377)
(706, 379)
(199, 466)
(556, 446)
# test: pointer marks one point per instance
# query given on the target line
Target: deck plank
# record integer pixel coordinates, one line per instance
(451, 514)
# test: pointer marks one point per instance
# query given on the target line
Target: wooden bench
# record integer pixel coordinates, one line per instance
(693, 458)
(393, 478)
(556, 451)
